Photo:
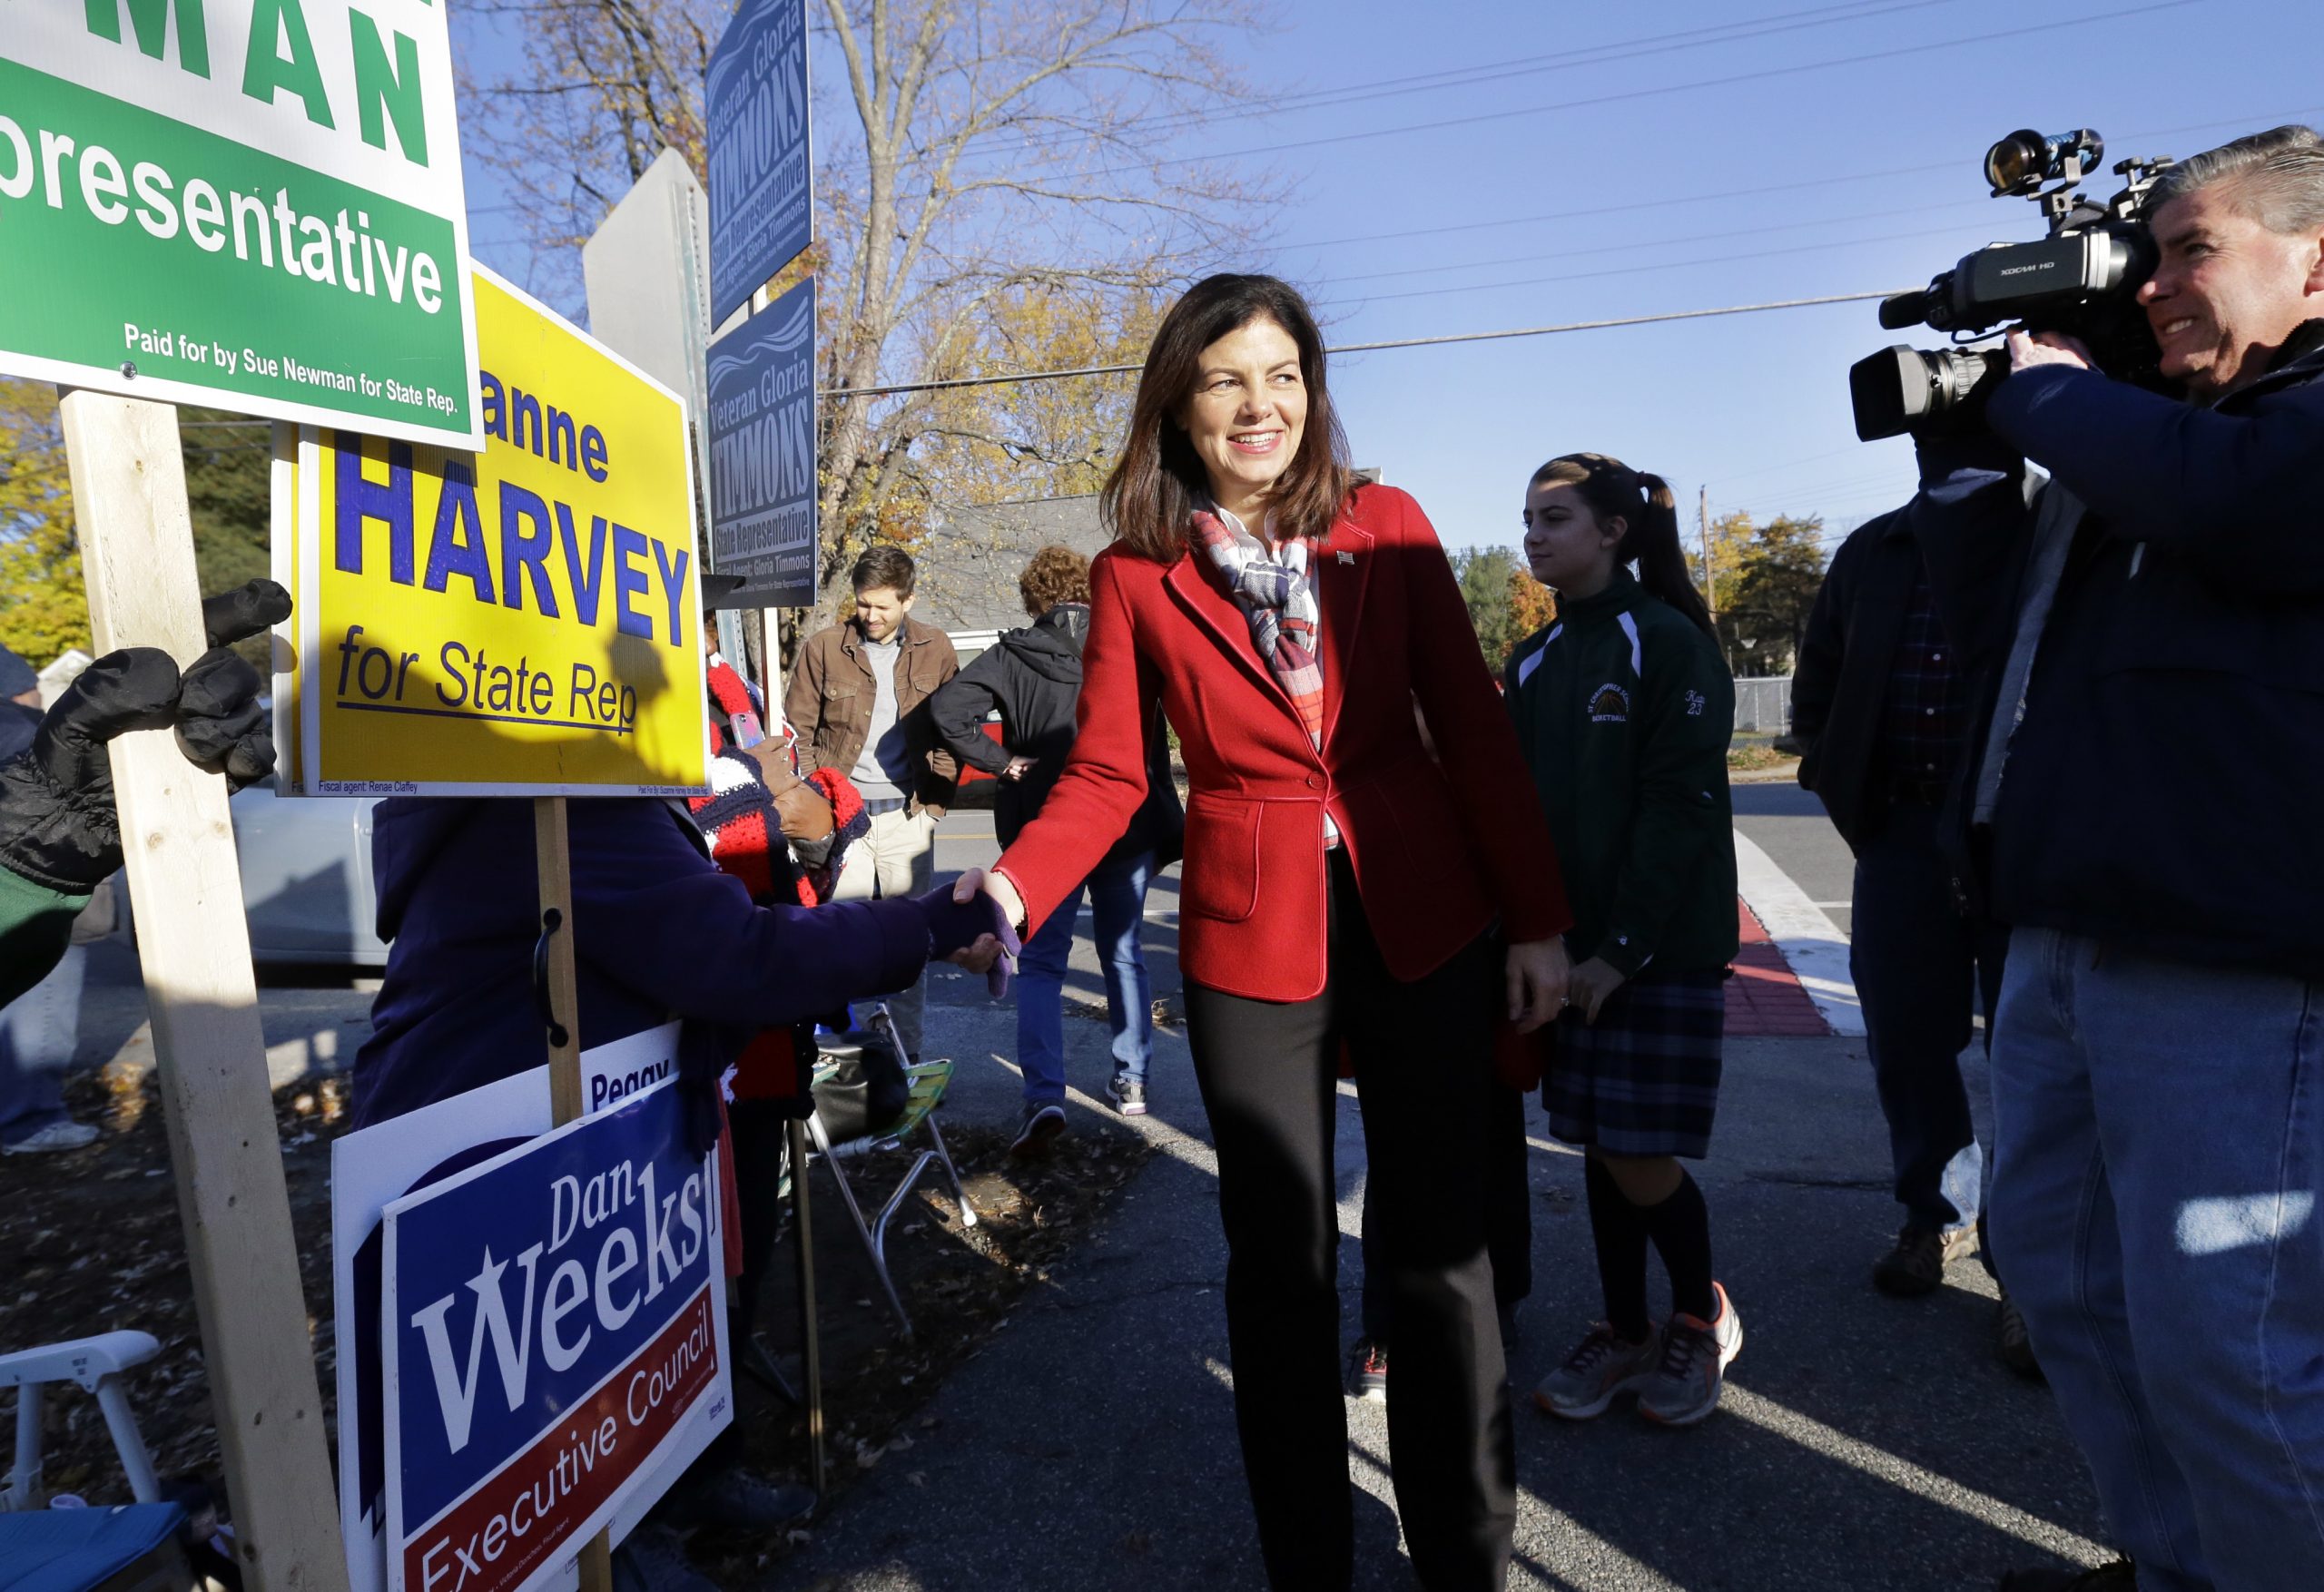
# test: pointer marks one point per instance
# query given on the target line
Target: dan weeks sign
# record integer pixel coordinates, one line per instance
(755, 108)
(251, 203)
(551, 1318)
(372, 1168)
(524, 620)
(763, 452)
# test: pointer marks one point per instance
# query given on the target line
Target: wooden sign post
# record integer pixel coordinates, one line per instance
(553, 861)
(185, 886)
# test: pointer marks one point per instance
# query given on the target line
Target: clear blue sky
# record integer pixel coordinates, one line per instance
(1653, 162)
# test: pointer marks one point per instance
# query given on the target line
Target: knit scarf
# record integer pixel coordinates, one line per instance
(1276, 599)
(738, 816)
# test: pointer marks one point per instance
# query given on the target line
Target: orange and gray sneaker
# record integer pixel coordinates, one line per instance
(1601, 1368)
(1686, 1380)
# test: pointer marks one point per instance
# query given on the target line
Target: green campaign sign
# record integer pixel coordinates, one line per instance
(255, 204)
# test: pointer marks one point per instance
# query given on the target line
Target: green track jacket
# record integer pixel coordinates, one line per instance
(1624, 710)
(36, 926)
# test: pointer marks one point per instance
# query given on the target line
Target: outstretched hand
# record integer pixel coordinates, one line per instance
(1004, 895)
(969, 931)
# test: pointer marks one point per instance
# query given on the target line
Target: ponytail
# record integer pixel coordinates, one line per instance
(1650, 514)
(1653, 543)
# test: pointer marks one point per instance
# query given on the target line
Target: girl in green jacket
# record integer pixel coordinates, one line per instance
(1624, 708)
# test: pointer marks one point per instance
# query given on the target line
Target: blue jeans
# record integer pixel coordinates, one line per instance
(39, 1031)
(2158, 1148)
(1117, 914)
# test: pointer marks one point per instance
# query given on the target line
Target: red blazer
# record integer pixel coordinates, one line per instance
(1437, 849)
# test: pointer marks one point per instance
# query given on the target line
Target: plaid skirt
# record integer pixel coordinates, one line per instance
(1642, 1080)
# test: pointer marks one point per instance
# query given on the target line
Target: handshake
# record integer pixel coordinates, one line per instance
(970, 928)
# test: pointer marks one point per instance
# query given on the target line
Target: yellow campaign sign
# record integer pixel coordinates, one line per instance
(525, 620)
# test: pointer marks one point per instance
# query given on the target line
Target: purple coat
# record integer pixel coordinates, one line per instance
(660, 934)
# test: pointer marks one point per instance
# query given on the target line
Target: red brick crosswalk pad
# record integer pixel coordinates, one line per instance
(1765, 999)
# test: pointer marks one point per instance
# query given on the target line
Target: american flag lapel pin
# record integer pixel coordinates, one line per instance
(1346, 556)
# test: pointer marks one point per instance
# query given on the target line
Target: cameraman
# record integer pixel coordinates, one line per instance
(2146, 794)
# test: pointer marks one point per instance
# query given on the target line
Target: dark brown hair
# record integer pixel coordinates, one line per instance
(1148, 501)
(1056, 574)
(885, 567)
(1649, 517)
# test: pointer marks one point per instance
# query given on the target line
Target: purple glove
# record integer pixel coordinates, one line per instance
(955, 926)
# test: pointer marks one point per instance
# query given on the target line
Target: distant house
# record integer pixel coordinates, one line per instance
(972, 557)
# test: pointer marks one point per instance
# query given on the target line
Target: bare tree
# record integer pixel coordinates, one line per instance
(996, 192)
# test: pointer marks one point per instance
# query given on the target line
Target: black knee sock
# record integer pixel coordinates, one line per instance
(1681, 1227)
(1619, 1229)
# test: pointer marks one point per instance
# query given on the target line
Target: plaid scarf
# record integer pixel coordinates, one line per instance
(1275, 594)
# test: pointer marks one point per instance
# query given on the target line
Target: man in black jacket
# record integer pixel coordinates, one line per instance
(1033, 677)
(1880, 702)
(2147, 792)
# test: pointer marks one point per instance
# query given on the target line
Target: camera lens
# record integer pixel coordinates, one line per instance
(2025, 159)
(2021, 158)
(1902, 389)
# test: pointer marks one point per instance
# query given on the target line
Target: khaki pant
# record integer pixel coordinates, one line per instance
(898, 858)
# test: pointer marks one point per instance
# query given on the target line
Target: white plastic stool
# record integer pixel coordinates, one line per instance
(96, 1363)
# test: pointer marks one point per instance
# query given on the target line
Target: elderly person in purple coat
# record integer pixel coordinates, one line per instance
(658, 933)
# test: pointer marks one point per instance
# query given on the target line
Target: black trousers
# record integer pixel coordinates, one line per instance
(1268, 1071)
(1509, 1218)
(1922, 971)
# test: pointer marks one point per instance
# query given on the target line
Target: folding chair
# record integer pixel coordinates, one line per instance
(846, 1136)
(96, 1364)
(133, 1548)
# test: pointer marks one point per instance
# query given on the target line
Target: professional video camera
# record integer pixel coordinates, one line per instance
(2083, 280)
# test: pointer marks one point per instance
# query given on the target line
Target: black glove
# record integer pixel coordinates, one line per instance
(57, 823)
(222, 728)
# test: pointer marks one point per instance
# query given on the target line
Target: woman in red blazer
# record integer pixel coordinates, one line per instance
(1339, 889)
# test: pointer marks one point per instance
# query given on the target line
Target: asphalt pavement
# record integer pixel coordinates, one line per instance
(1865, 1442)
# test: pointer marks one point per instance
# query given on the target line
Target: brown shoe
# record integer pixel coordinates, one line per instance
(1916, 1265)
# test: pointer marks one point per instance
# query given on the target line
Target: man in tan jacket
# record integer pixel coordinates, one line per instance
(858, 698)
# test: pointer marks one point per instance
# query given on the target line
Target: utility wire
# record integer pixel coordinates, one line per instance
(1619, 271)
(1462, 336)
(1585, 55)
(1977, 40)
(1713, 237)
(1673, 201)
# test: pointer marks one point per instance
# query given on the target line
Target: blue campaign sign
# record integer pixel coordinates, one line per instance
(762, 210)
(551, 1318)
(763, 453)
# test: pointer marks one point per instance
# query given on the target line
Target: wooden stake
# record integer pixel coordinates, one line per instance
(553, 861)
(807, 1323)
(193, 943)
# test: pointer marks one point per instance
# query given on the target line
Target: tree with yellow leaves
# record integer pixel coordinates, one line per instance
(43, 610)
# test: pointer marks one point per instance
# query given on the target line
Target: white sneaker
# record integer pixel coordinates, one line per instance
(1601, 1368)
(56, 1135)
(1685, 1386)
